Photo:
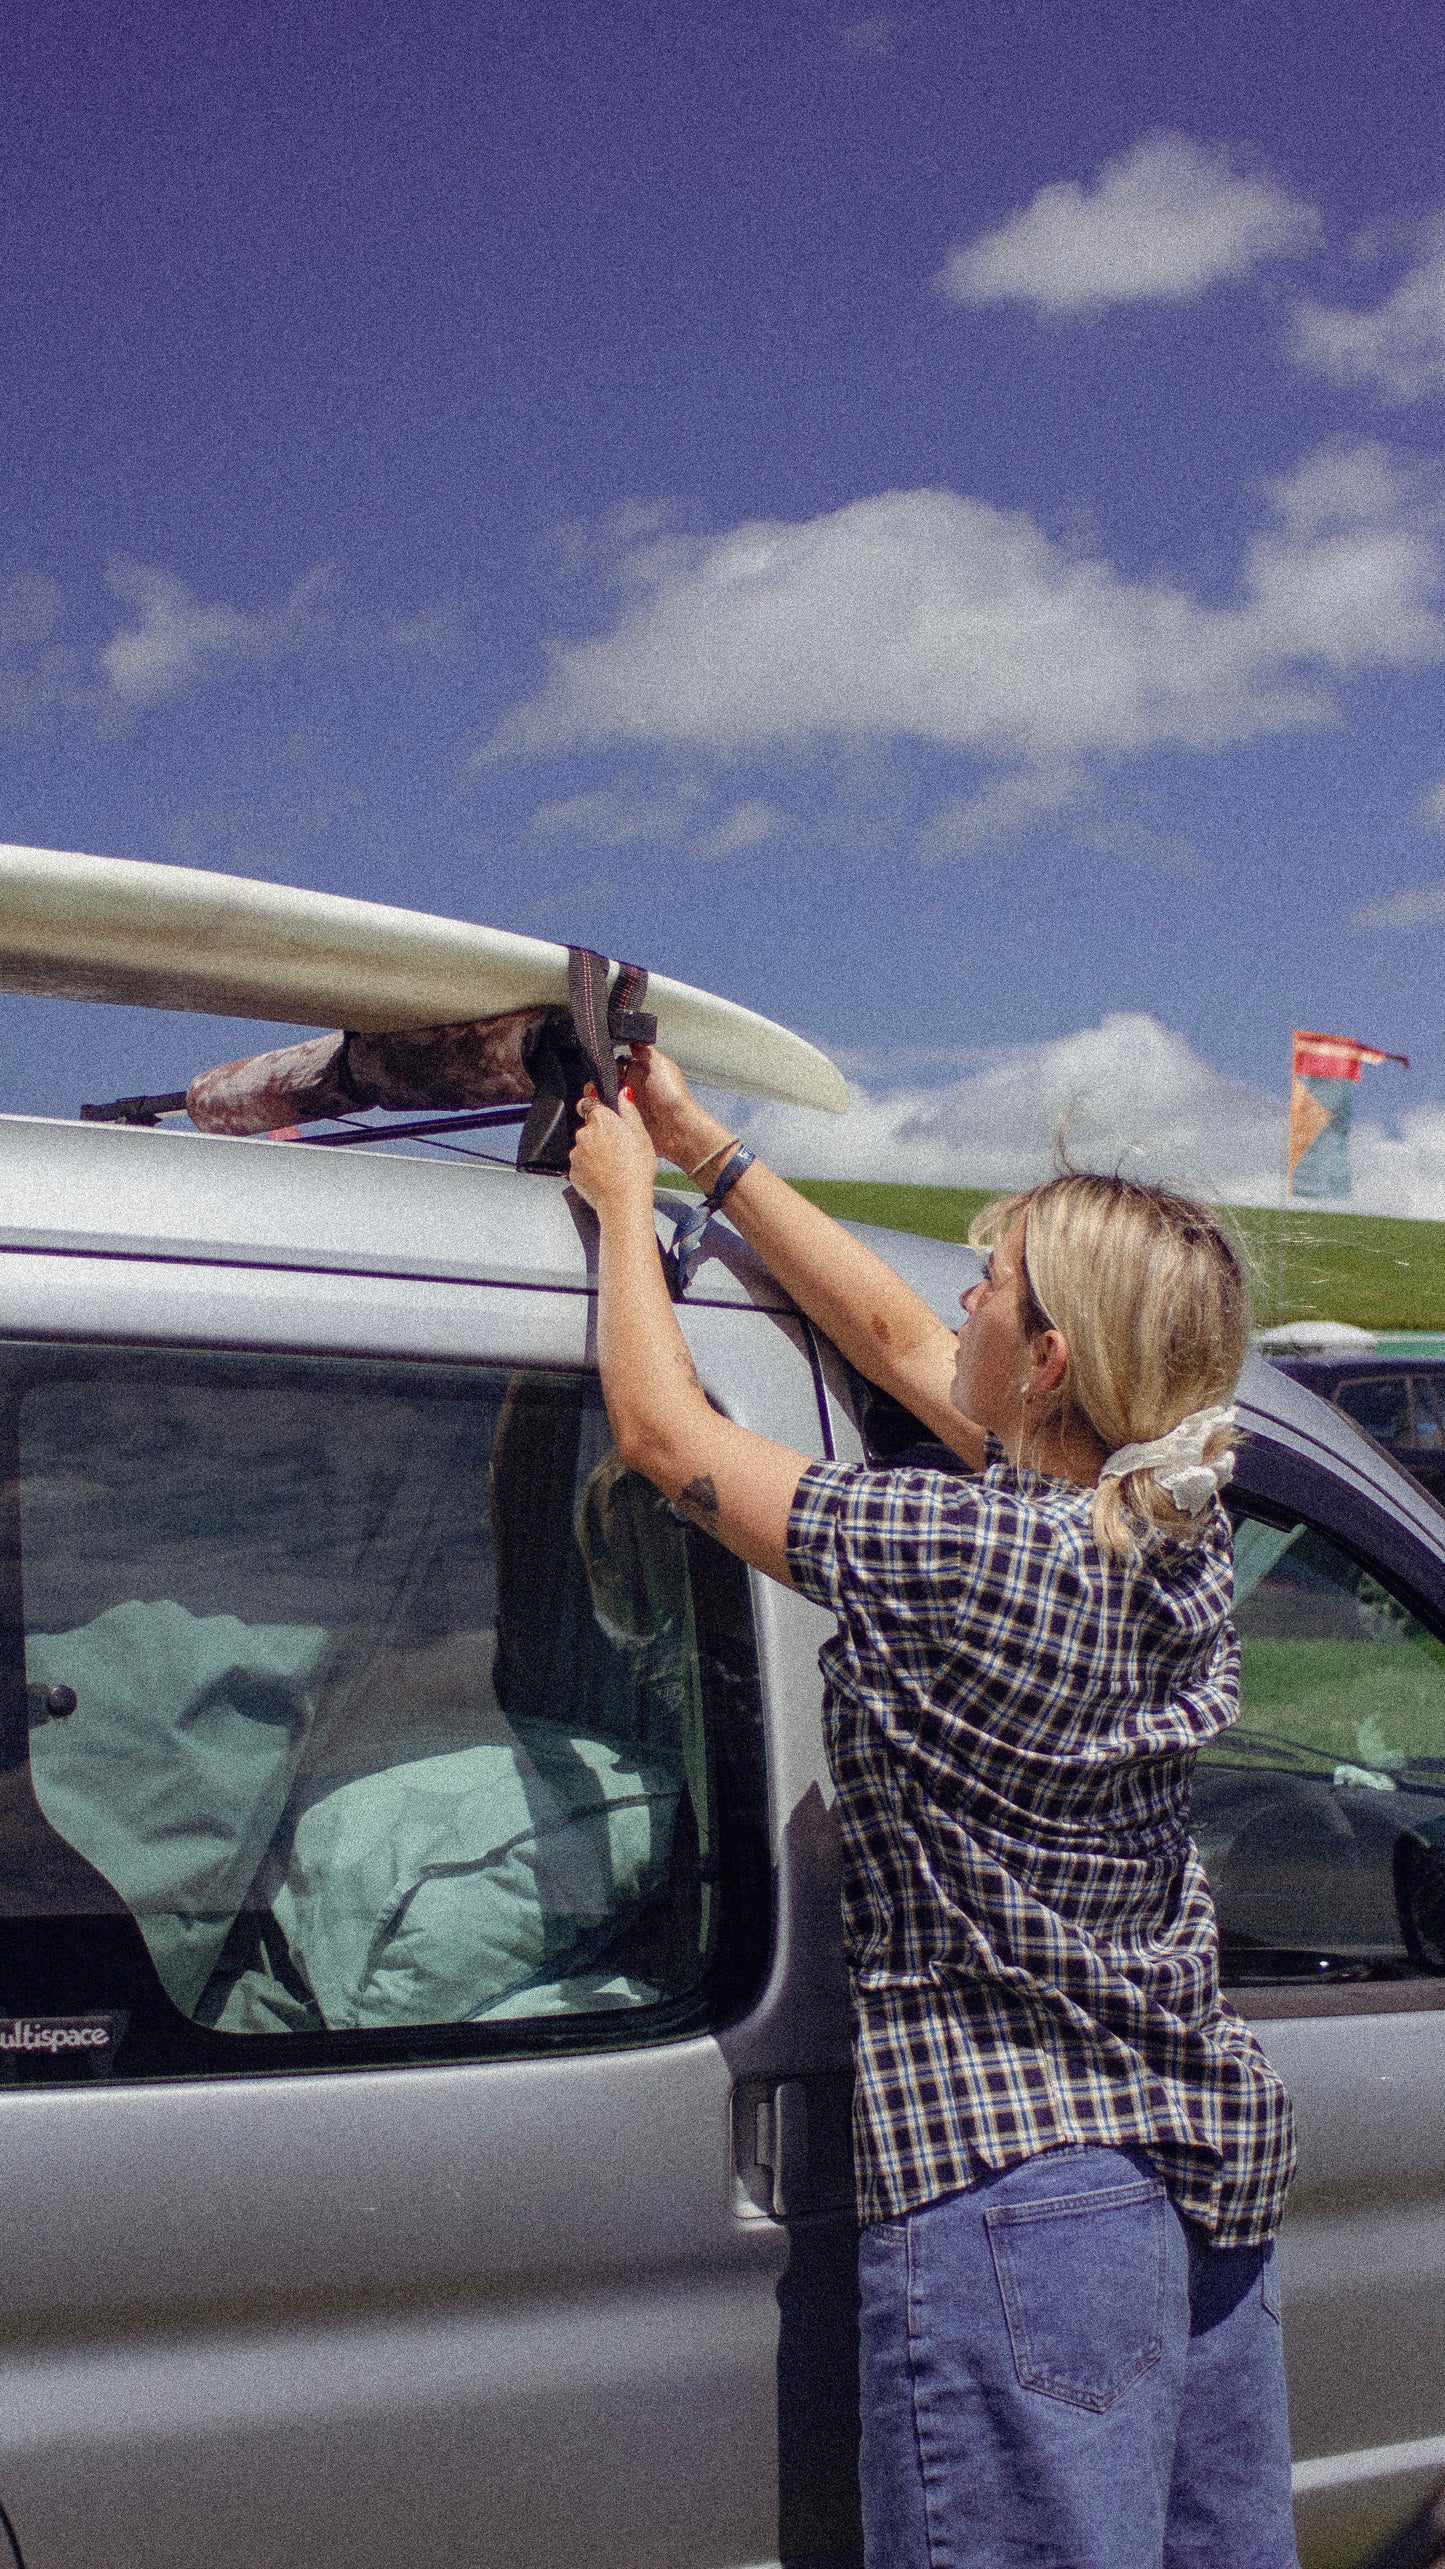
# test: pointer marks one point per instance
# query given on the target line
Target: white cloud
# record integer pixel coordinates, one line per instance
(433, 633)
(615, 817)
(1351, 577)
(1162, 222)
(179, 641)
(1431, 807)
(1398, 347)
(1002, 810)
(739, 831)
(1421, 907)
(923, 614)
(1133, 1095)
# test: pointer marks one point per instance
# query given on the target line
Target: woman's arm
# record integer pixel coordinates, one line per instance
(734, 1484)
(881, 1325)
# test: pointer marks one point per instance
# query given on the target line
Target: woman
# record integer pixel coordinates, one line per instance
(1072, 2159)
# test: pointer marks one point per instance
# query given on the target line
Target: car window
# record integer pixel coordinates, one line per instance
(1428, 1392)
(1381, 1404)
(347, 1700)
(1321, 1817)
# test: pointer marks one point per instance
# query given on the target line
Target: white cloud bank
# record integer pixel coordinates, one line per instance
(1132, 1094)
(1159, 224)
(1398, 347)
(925, 615)
(178, 641)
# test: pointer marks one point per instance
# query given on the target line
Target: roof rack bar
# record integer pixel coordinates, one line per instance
(136, 1110)
(470, 1123)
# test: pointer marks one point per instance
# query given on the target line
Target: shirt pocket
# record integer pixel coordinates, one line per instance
(1081, 2276)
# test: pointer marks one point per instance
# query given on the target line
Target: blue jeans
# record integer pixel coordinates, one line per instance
(1058, 2373)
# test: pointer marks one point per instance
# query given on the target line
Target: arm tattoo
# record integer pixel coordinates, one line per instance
(699, 1499)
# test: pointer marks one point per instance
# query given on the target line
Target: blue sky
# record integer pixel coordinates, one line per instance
(929, 520)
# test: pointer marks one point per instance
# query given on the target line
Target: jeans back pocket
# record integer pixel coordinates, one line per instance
(1082, 2276)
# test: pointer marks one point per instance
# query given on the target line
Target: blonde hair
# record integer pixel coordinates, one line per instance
(1151, 1298)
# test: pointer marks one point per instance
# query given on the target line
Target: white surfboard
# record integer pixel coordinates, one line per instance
(170, 936)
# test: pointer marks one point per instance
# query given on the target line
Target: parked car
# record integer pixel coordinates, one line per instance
(424, 2077)
(1396, 1397)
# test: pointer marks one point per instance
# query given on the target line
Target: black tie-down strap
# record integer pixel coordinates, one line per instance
(563, 1057)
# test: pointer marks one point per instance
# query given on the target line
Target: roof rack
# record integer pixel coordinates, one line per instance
(473, 1122)
(149, 1111)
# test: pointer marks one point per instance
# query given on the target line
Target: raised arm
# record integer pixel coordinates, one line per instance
(881, 1325)
(737, 1485)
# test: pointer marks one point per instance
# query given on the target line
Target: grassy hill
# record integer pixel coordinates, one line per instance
(1309, 1264)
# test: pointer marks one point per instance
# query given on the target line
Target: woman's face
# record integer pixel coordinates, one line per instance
(994, 1353)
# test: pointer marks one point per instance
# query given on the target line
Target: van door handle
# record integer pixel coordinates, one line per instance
(793, 2144)
(782, 2143)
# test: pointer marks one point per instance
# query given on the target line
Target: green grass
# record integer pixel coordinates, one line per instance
(1370, 1268)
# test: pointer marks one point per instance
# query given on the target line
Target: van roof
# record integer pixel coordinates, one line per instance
(116, 1190)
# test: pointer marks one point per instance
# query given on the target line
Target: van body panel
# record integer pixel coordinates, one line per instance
(520, 2310)
(125, 1191)
(530, 2309)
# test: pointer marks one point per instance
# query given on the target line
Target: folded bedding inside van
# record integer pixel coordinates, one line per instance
(172, 1773)
(428, 1892)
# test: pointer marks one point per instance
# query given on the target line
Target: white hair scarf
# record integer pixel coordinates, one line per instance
(1177, 1463)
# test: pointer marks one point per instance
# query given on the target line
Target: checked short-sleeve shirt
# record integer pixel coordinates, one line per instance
(1012, 1720)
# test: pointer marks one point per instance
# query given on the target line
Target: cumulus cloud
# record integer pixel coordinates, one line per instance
(1160, 223)
(178, 640)
(926, 615)
(1431, 807)
(1132, 1094)
(1351, 576)
(1395, 347)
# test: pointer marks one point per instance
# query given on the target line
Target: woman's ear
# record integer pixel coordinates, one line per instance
(1049, 1359)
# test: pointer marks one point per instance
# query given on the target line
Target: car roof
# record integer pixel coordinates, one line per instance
(1354, 1360)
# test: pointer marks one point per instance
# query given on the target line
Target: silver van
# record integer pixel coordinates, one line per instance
(423, 2029)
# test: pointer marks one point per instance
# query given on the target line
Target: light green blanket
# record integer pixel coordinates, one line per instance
(436, 1890)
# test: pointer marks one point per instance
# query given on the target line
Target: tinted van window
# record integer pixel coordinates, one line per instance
(1380, 1403)
(1321, 1817)
(352, 1703)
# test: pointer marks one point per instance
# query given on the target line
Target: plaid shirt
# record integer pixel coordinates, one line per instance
(1012, 1721)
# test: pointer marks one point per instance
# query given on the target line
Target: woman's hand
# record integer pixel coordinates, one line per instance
(613, 1163)
(682, 1131)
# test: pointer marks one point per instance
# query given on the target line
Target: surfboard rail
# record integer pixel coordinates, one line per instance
(123, 933)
